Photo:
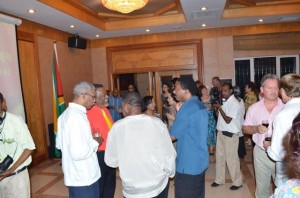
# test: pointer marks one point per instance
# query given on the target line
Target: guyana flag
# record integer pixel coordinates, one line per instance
(58, 97)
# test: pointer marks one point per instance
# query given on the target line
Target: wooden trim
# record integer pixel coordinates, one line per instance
(41, 104)
(115, 69)
(283, 41)
(24, 36)
(145, 22)
(197, 34)
(76, 12)
(260, 11)
(111, 50)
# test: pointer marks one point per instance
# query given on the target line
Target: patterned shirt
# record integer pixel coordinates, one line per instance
(250, 98)
(289, 189)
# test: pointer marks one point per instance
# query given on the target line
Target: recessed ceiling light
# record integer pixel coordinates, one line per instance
(203, 25)
(203, 8)
(260, 20)
(31, 11)
(97, 35)
(72, 26)
(147, 30)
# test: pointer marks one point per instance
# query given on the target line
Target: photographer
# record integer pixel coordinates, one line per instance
(16, 146)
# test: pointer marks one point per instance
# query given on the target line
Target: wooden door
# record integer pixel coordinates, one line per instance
(31, 87)
(166, 77)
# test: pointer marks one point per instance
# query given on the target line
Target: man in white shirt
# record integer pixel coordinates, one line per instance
(141, 147)
(229, 125)
(78, 147)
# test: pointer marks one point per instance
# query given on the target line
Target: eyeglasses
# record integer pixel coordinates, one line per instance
(90, 95)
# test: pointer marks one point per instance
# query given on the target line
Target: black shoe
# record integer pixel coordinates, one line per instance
(214, 184)
(235, 187)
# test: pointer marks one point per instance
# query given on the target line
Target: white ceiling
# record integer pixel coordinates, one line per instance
(212, 18)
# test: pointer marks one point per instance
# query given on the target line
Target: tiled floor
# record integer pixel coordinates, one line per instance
(47, 181)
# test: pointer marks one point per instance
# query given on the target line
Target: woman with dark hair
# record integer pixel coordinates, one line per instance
(164, 98)
(172, 109)
(207, 101)
(250, 97)
(291, 188)
(148, 107)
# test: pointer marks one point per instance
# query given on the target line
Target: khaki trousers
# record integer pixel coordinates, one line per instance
(264, 168)
(16, 186)
(227, 154)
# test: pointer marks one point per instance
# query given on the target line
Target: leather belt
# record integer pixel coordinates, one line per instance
(18, 171)
(227, 133)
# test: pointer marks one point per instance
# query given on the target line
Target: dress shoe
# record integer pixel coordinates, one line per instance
(235, 187)
(214, 184)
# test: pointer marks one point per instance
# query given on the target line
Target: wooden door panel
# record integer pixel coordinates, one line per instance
(32, 99)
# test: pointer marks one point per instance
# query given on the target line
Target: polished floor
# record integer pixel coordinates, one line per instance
(47, 181)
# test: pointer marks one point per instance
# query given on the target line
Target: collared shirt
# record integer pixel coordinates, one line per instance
(232, 109)
(74, 138)
(117, 103)
(190, 128)
(140, 145)
(258, 112)
(281, 126)
(15, 139)
(98, 122)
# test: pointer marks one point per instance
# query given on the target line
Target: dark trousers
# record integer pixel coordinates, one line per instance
(108, 178)
(164, 193)
(242, 149)
(92, 191)
(189, 185)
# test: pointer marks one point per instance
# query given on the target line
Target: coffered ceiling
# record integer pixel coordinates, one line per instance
(91, 18)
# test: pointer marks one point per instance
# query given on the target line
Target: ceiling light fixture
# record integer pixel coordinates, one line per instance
(203, 8)
(31, 11)
(97, 35)
(124, 6)
(203, 25)
(260, 20)
(147, 30)
(72, 26)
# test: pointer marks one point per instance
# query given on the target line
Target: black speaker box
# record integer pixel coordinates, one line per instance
(76, 42)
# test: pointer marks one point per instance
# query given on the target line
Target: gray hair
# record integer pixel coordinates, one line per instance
(82, 87)
(133, 99)
(268, 77)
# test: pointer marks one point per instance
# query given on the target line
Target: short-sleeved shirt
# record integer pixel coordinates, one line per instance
(258, 112)
(232, 109)
(15, 139)
(190, 128)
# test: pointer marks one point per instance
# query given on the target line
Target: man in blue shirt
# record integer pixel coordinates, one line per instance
(115, 104)
(190, 129)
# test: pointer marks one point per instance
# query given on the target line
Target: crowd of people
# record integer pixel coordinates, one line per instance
(98, 133)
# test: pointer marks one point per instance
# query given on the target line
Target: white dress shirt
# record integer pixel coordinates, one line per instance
(232, 109)
(74, 138)
(281, 126)
(141, 147)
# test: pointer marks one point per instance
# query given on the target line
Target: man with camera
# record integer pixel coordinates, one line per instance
(16, 146)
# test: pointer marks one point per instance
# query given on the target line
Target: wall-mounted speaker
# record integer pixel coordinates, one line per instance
(76, 42)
